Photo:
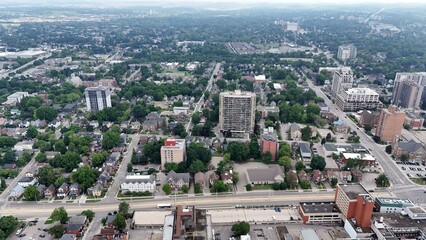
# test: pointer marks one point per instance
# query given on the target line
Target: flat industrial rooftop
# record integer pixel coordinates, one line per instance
(150, 218)
(252, 215)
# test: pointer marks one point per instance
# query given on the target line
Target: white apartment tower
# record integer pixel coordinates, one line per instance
(342, 79)
(97, 98)
(409, 90)
(346, 52)
(237, 111)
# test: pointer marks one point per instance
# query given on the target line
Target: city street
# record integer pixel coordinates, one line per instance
(44, 56)
(201, 101)
(401, 185)
(122, 170)
(30, 209)
(5, 194)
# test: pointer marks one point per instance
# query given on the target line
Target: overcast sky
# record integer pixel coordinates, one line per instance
(102, 3)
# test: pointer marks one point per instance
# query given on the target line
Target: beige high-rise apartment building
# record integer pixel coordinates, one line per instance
(342, 79)
(237, 111)
(391, 122)
(173, 151)
(409, 89)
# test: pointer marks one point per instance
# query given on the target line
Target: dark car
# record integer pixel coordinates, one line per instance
(42, 235)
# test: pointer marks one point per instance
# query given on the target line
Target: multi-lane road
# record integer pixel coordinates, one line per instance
(402, 186)
(5, 74)
(31, 209)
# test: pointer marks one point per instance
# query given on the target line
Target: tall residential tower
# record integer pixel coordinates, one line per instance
(342, 79)
(97, 98)
(390, 123)
(409, 90)
(237, 111)
(346, 52)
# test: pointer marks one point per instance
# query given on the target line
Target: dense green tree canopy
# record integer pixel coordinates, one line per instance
(31, 193)
(241, 228)
(85, 176)
(318, 162)
(239, 152)
(59, 214)
(46, 176)
(67, 161)
(46, 113)
(110, 139)
(220, 186)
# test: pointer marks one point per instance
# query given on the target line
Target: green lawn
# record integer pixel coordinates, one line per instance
(92, 200)
(420, 181)
(102, 195)
(173, 70)
(320, 186)
(261, 187)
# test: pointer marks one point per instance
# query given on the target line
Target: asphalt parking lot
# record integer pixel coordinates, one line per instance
(34, 232)
(413, 170)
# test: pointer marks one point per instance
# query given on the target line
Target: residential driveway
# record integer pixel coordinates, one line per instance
(162, 180)
(284, 129)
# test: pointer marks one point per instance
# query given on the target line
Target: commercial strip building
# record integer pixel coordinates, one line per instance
(97, 98)
(416, 212)
(142, 219)
(173, 151)
(237, 111)
(182, 223)
(390, 123)
(365, 158)
(396, 226)
(319, 213)
(392, 205)
(409, 90)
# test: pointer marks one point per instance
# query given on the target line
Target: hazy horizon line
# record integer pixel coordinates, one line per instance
(198, 3)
